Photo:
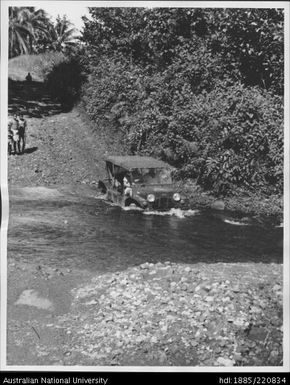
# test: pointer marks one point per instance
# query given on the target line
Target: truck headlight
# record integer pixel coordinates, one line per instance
(150, 197)
(176, 197)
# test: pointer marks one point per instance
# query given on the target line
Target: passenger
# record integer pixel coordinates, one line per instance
(127, 186)
(165, 176)
(118, 185)
(149, 176)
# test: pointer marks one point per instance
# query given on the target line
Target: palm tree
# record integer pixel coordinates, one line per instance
(19, 30)
(40, 23)
(24, 23)
(62, 34)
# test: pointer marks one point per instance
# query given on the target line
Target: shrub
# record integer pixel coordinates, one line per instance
(64, 82)
(227, 137)
(195, 87)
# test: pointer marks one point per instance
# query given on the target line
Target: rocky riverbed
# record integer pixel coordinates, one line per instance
(169, 314)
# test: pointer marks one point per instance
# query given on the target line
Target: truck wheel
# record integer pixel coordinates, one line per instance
(131, 201)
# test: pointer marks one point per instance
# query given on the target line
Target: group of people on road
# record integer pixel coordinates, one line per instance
(17, 126)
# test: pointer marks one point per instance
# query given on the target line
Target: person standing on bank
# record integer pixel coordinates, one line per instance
(22, 125)
(28, 78)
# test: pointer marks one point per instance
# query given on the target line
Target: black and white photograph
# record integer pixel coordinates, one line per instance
(145, 186)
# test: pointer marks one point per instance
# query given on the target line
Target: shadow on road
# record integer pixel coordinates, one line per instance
(32, 99)
(30, 150)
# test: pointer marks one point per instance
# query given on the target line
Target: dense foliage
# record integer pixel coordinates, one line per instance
(64, 82)
(200, 88)
(250, 41)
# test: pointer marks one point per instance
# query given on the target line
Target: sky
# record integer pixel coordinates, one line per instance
(73, 10)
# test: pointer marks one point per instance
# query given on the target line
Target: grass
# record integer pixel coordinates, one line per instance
(38, 65)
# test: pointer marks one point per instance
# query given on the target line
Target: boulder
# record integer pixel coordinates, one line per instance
(218, 205)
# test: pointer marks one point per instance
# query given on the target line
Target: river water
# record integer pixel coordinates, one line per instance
(76, 230)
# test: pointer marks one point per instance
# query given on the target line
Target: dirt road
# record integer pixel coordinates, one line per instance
(60, 150)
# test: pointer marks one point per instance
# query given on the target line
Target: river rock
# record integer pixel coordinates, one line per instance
(218, 205)
(144, 266)
(236, 289)
(225, 361)
(207, 288)
(153, 340)
(204, 318)
(237, 357)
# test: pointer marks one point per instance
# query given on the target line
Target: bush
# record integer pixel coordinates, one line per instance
(239, 131)
(64, 82)
(199, 88)
(112, 92)
(227, 137)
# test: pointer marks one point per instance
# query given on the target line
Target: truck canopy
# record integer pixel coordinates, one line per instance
(131, 162)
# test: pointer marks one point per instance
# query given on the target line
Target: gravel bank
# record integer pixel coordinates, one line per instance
(178, 315)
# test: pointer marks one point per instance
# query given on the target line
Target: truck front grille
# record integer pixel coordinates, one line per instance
(162, 203)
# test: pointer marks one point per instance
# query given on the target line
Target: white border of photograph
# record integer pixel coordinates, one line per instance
(5, 198)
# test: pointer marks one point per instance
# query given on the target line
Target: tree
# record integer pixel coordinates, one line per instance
(19, 31)
(252, 44)
(62, 34)
(24, 25)
(201, 88)
(40, 24)
(250, 41)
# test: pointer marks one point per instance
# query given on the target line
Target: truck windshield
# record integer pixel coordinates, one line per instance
(151, 176)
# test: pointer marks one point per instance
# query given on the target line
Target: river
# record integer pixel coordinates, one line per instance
(71, 227)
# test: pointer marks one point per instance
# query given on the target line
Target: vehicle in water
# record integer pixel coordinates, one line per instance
(140, 181)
